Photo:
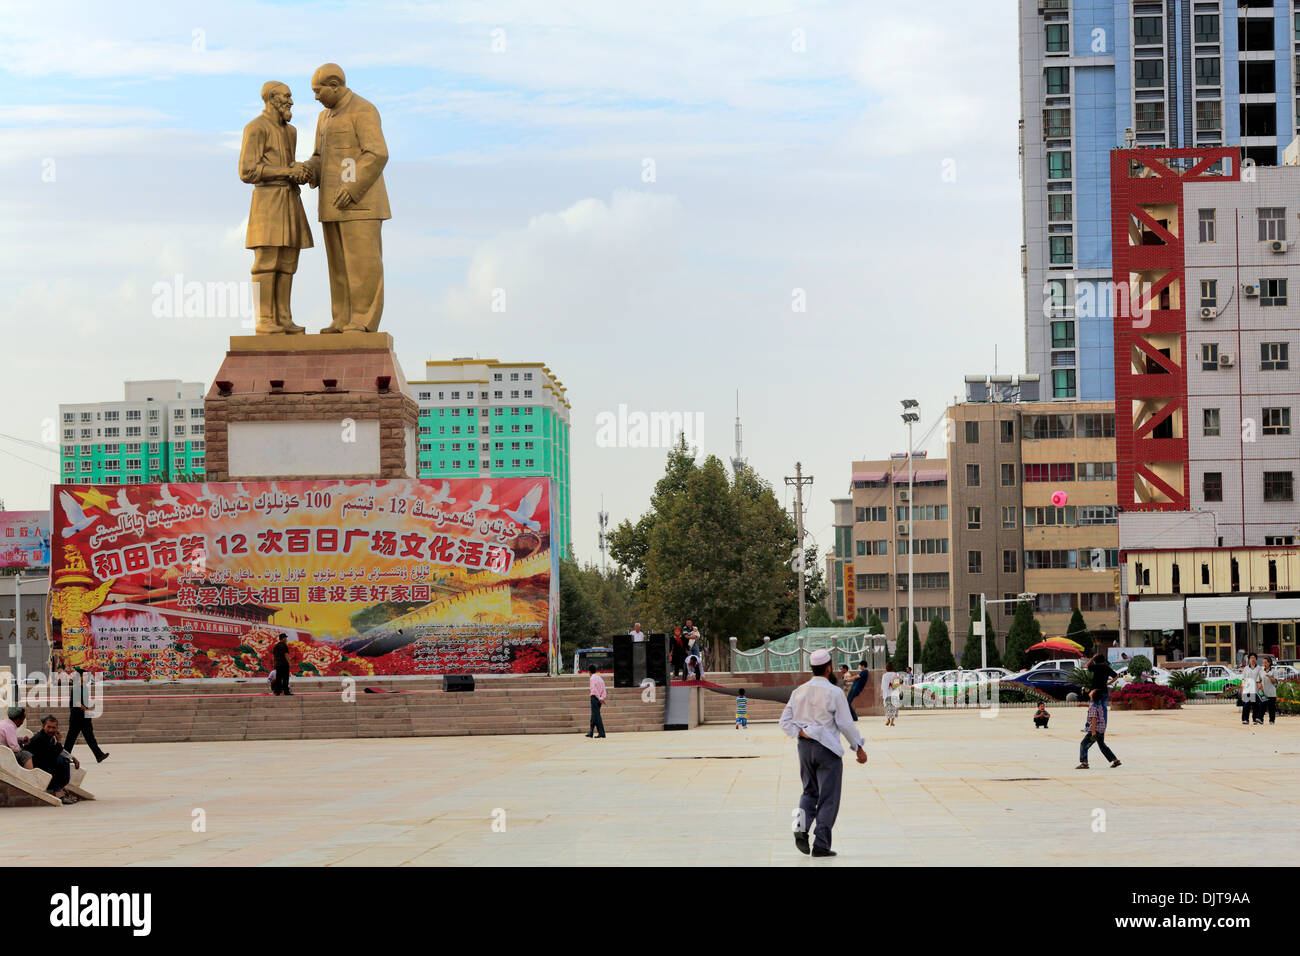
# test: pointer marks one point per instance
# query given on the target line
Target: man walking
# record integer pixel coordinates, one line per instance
(1268, 692)
(859, 685)
(280, 653)
(79, 722)
(816, 715)
(596, 684)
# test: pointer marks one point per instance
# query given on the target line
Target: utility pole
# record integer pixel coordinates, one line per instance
(738, 459)
(603, 518)
(799, 480)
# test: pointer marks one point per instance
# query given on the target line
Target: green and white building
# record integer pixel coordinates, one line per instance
(155, 434)
(489, 419)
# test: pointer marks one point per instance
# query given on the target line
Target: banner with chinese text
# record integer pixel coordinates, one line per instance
(24, 539)
(367, 577)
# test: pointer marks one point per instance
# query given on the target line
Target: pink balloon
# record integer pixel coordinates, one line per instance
(1059, 498)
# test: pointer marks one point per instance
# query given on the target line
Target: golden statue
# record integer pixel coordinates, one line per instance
(71, 602)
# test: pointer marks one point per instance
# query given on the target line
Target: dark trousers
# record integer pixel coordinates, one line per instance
(821, 772)
(1251, 710)
(281, 685)
(597, 725)
(81, 725)
(679, 666)
(1268, 706)
(1040, 721)
(1100, 741)
(60, 772)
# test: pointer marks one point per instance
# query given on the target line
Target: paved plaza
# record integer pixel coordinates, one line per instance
(940, 788)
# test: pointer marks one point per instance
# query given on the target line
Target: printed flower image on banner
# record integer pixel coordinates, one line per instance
(366, 577)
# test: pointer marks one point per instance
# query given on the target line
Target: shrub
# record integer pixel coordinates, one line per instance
(1024, 634)
(936, 655)
(1010, 692)
(1288, 696)
(1186, 682)
(1160, 697)
(1079, 677)
(1139, 665)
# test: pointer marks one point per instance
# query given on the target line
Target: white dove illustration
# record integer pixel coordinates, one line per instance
(76, 518)
(523, 512)
(165, 496)
(442, 496)
(206, 493)
(240, 491)
(484, 502)
(124, 505)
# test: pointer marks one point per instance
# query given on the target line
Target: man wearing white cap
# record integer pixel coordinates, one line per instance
(818, 712)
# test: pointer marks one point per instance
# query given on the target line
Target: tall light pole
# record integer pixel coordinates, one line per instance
(910, 418)
(983, 631)
(799, 480)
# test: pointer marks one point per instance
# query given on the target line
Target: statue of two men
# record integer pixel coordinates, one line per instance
(347, 170)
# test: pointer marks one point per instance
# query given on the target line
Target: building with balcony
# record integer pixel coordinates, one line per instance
(155, 434)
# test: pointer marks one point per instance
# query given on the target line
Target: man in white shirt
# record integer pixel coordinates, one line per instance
(638, 636)
(816, 715)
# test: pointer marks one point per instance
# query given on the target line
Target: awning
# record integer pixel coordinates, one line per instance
(1155, 615)
(868, 476)
(1228, 610)
(928, 474)
(1275, 609)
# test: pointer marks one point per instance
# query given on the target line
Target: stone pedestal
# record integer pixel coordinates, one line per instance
(310, 406)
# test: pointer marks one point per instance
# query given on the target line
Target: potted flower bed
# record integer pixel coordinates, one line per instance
(1141, 696)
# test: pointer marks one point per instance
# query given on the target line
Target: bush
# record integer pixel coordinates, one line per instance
(1139, 665)
(936, 655)
(1159, 696)
(1079, 677)
(1025, 632)
(1186, 682)
(1288, 697)
(899, 661)
(1010, 692)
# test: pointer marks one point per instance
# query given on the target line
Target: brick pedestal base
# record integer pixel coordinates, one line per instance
(290, 397)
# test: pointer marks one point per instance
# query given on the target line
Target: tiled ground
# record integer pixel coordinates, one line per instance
(940, 788)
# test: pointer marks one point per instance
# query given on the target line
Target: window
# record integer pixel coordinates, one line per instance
(1146, 31)
(1056, 123)
(1209, 293)
(1050, 560)
(1207, 28)
(1050, 516)
(1277, 421)
(1063, 383)
(975, 562)
(880, 547)
(1058, 80)
(1059, 165)
(1277, 486)
(1212, 486)
(1099, 425)
(1274, 356)
(1008, 475)
(1205, 225)
(1209, 356)
(1148, 74)
(1062, 249)
(1055, 471)
(972, 433)
(1007, 431)
(1008, 517)
(972, 519)
(1091, 515)
(873, 582)
(1049, 426)
(972, 476)
(1151, 117)
(869, 513)
(1207, 71)
(1058, 38)
(1279, 540)
(1062, 335)
(1272, 223)
(1210, 423)
(1209, 116)
(1009, 562)
(1272, 292)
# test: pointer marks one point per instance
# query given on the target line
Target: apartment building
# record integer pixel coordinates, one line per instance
(154, 434)
(1101, 74)
(840, 594)
(894, 519)
(485, 418)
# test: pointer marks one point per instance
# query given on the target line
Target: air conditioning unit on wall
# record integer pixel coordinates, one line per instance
(1226, 360)
(1278, 245)
(1250, 290)
(1209, 312)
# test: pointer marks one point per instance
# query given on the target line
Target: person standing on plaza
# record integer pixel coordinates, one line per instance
(596, 684)
(79, 722)
(742, 710)
(1096, 731)
(1268, 692)
(638, 636)
(280, 653)
(1252, 676)
(678, 652)
(816, 715)
(1102, 677)
(859, 685)
(892, 699)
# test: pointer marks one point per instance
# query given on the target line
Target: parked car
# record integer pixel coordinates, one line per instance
(1216, 678)
(1054, 682)
(1059, 664)
(1285, 672)
(1194, 661)
(1158, 675)
(994, 673)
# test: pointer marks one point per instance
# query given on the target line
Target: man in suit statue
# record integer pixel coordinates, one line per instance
(277, 225)
(347, 168)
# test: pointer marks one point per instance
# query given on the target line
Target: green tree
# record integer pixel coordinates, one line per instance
(1077, 630)
(818, 616)
(872, 624)
(937, 653)
(1025, 632)
(970, 655)
(899, 661)
(579, 622)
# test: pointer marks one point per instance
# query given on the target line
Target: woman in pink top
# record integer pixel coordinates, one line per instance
(597, 686)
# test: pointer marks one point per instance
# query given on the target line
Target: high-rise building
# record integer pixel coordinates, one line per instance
(485, 418)
(1102, 74)
(840, 596)
(155, 434)
(1009, 456)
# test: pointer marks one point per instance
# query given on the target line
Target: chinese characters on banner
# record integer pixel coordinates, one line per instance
(24, 539)
(367, 577)
(850, 596)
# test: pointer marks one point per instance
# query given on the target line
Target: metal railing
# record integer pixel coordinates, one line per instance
(844, 650)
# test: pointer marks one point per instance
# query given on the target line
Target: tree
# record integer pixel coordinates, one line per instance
(970, 655)
(899, 661)
(1077, 630)
(872, 624)
(579, 624)
(1025, 632)
(818, 616)
(937, 653)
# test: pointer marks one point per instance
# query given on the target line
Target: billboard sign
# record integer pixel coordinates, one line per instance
(24, 539)
(366, 578)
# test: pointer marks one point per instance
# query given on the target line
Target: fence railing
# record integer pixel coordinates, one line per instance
(844, 650)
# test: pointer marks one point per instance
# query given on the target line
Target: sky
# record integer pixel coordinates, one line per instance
(814, 205)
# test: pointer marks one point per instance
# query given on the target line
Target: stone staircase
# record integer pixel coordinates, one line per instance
(721, 709)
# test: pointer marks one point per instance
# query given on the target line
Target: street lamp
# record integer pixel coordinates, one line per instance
(1022, 596)
(910, 418)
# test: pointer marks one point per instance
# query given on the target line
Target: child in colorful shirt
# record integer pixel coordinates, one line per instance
(742, 710)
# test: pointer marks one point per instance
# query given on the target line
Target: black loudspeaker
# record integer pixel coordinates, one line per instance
(656, 658)
(457, 683)
(624, 669)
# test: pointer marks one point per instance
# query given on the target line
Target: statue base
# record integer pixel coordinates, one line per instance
(284, 407)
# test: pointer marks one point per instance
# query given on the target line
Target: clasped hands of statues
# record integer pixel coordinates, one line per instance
(301, 173)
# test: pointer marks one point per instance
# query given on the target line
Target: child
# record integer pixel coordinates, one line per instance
(742, 710)
(270, 681)
(1041, 716)
(1096, 727)
(891, 702)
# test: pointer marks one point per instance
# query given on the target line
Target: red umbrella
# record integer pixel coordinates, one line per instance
(1062, 645)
